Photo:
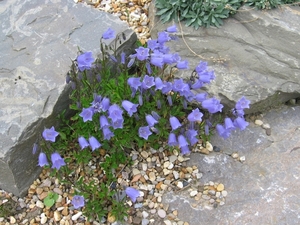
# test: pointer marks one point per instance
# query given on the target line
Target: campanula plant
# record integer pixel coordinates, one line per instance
(123, 102)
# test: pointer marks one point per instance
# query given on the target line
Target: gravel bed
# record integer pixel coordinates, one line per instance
(153, 173)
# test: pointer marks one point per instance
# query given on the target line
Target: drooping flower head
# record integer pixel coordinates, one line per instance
(50, 134)
(182, 141)
(94, 143)
(43, 159)
(82, 142)
(174, 122)
(184, 150)
(132, 193)
(78, 201)
(172, 141)
(224, 133)
(129, 107)
(35, 148)
(87, 114)
(107, 133)
(57, 161)
(108, 34)
(163, 37)
(229, 124)
(103, 121)
(172, 29)
(213, 105)
(191, 135)
(240, 123)
(151, 121)
(182, 65)
(144, 132)
(85, 61)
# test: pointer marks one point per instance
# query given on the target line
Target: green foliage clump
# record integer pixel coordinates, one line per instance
(197, 13)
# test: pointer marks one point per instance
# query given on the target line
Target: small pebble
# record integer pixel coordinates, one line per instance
(76, 216)
(220, 187)
(161, 213)
(258, 122)
(193, 193)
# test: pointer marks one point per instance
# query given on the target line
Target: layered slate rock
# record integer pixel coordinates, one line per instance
(261, 190)
(255, 54)
(38, 40)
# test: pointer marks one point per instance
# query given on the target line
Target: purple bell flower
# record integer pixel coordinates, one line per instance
(83, 142)
(134, 82)
(103, 122)
(107, 133)
(172, 29)
(174, 122)
(57, 161)
(184, 150)
(172, 141)
(109, 34)
(129, 107)
(182, 141)
(87, 114)
(213, 105)
(85, 61)
(242, 103)
(43, 159)
(50, 134)
(195, 115)
(151, 121)
(132, 193)
(142, 53)
(240, 123)
(222, 131)
(144, 132)
(94, 143)
(78, 201)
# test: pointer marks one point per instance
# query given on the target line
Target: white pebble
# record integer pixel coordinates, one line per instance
(180, 184)
(209, 146)
(43, 220)
(258, 122)
(145, 221)
(193, 193)
(266, 126)
(175, 174)
(76, 216)
(167, 222)
(145, 214)
(57, 216)
(12, 220)
(161, 213)
(242, 158)
(224, 193)
(40, 204)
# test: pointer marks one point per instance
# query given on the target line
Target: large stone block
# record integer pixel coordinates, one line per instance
(255, 53)
(38, 40)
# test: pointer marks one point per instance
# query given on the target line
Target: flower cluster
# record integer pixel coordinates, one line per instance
(239, 121)
(134, 110)
(56, 159)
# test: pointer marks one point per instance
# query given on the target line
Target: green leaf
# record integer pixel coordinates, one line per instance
(49, 202)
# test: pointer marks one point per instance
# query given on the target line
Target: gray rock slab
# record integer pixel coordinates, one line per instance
(261, 190)
(38, 40)
(255, 53)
